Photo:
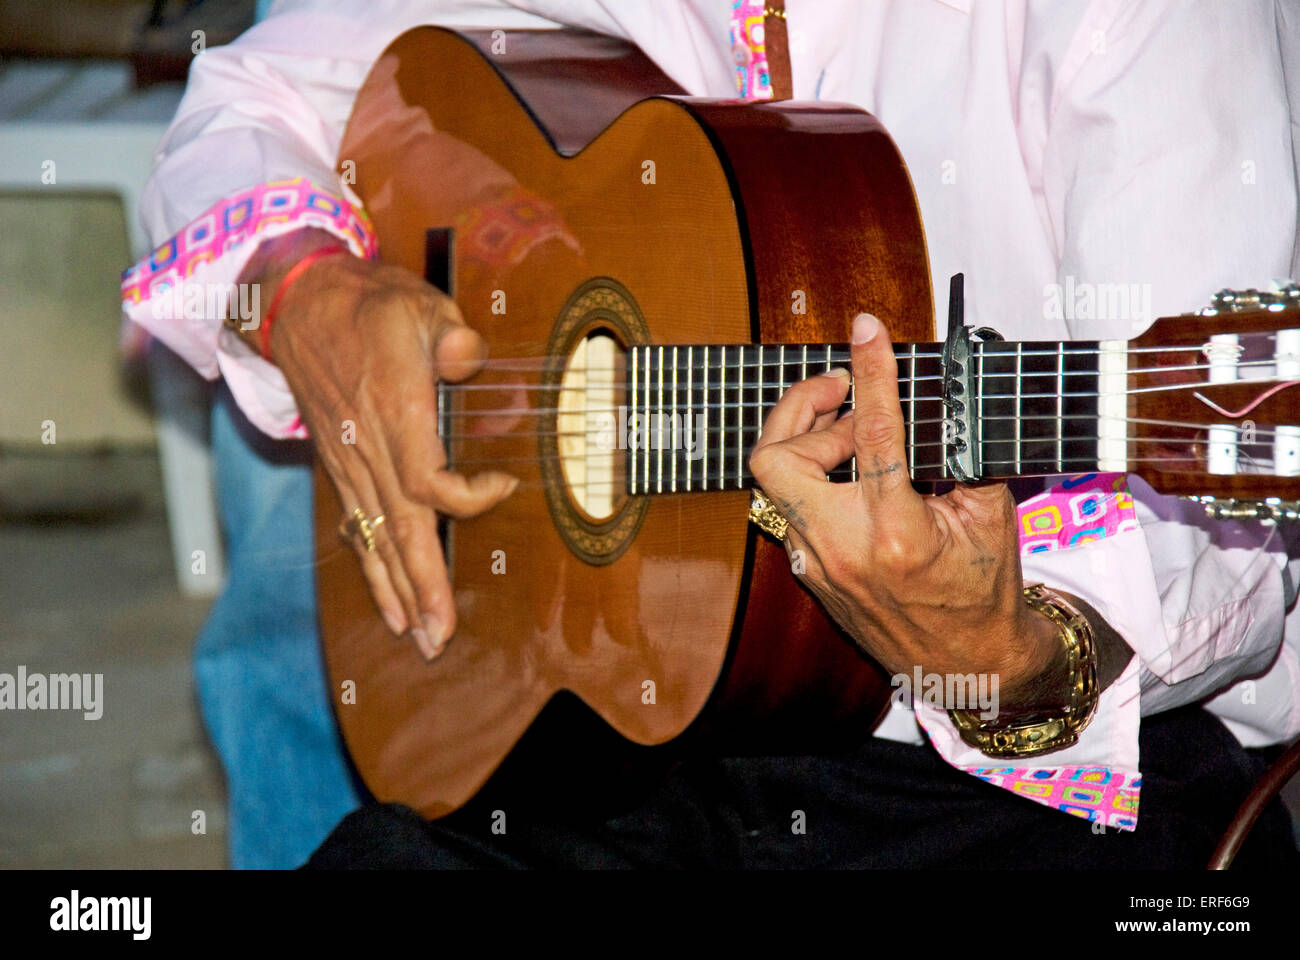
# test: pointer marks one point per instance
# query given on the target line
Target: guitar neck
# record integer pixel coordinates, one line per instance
(694, 413)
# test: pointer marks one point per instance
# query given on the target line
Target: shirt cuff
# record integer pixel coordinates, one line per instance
(182, 292)
(1098, 778)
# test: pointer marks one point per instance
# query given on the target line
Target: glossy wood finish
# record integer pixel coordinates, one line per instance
(748, 204)
(828, 209)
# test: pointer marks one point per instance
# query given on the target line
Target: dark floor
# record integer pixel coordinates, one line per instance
(100, 596)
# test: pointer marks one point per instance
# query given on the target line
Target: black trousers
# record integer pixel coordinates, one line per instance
(886, 805)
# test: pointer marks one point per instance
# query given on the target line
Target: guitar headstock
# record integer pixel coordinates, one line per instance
(1210, 404)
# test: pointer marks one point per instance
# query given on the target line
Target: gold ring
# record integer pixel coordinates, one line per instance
(360, 523)
(764, 514)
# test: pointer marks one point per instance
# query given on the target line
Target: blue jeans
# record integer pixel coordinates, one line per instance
(258, 663)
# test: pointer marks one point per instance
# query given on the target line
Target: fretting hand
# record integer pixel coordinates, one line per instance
(929, 581)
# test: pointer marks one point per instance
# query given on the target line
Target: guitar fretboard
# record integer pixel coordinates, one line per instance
(694, 413)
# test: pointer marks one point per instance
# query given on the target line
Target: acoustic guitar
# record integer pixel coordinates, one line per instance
(650, 272)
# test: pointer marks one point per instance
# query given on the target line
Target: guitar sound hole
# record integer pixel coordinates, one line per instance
(585, 481)
(587, 421)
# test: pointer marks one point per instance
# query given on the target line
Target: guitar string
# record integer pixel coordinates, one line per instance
(744, 404)
(985, 374)
(732, 430)
(1090, 463)
(1049, 468)
(840, 353)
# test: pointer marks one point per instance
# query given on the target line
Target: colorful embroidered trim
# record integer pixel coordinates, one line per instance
(749, 51)
(1097, 794)
(241, 217)
(1076, 511)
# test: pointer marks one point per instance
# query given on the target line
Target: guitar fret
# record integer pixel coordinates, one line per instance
(632, 414)
(645, 429)
(675, 439)
(705, 471)
(1018, 407)
(689, 424)
(722, 422)
(911, 418)
(1060, 408)
(740, 413)
(979, 384)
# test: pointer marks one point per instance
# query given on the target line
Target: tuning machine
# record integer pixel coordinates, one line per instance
(1269, 510)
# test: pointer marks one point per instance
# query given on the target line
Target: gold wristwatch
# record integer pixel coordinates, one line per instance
(1028, 736)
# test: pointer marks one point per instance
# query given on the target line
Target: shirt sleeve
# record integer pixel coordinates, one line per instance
(251, 154)
(269, 111)
(1155, 173)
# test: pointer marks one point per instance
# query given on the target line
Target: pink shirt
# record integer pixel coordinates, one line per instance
(1049, 143)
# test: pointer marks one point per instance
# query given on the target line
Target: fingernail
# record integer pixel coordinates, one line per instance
(512, 486)
(865, 326)
(395, 621)
(437, 632)
(422, 641)
(837, 372)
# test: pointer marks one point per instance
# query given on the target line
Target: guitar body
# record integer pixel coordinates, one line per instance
(577, 205)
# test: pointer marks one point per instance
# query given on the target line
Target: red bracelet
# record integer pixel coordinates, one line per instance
(296, 271)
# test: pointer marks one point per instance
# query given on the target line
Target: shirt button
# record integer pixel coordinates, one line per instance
(742, 54)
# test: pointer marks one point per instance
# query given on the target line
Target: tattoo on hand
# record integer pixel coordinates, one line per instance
(791, 511)
(880, 471)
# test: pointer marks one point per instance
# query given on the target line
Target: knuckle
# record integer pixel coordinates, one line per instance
(405, 528)
(419, 482)
(761, 460)
(385, 301)
(874, 432)
(419, 469)
(835, 568)
(892, 552)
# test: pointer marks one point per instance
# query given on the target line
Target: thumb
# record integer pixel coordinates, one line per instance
(458, 351)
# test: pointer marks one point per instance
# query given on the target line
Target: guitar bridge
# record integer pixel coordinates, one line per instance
(1270, 510)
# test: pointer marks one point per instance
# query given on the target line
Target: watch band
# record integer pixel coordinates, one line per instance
(1044, 732)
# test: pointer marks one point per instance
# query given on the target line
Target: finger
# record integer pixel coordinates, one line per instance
(413, 554)
(815, 454)
(390, 606)
(381, 587)
(395, 578)
(463, 497)
(405, 460)
(878, 433)
(800, 407)
(414, 452)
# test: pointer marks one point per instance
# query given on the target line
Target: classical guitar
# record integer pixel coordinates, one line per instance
(650, 272)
